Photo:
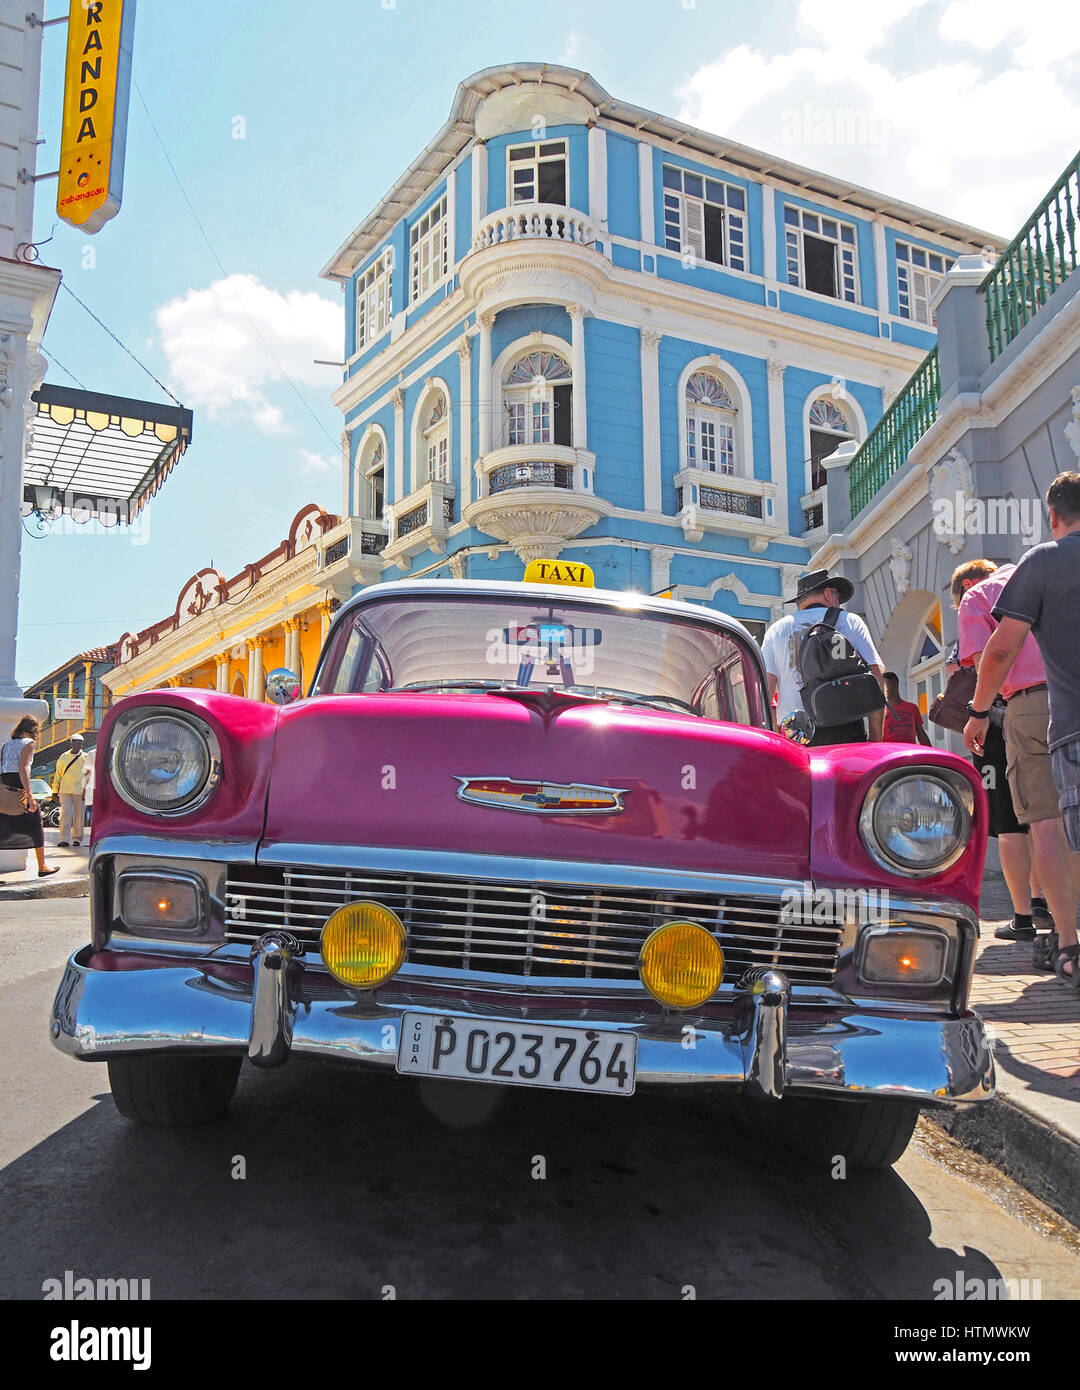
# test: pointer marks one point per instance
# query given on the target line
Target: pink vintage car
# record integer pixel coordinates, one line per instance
(533, 835)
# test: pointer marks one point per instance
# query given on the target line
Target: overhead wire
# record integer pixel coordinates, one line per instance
(218, 262)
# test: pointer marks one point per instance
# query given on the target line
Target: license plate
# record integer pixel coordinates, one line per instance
(517, 1054)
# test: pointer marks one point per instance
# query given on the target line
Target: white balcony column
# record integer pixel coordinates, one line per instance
(486, 405)
(650, 417)
(577, 354)
(398, 397)
(221, 672)
(768, 229)
(464, 348)
(291, 629)
(256, 688)
(778, 441)
(881, 266)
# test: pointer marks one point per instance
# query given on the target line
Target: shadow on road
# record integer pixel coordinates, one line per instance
(357, 1184)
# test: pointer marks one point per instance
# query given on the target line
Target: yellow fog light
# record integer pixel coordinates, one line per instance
(362, 944)
(681, 965)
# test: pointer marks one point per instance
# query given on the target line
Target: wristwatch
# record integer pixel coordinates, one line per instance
(977, 713)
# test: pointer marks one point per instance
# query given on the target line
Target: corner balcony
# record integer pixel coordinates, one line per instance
(420, 522)
(728, 505)
(529, 251)
(536, 497)
(351, 555)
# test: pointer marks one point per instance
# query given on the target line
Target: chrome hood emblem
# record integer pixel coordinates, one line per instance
(542, 798)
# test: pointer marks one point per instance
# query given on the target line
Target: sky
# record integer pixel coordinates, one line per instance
(261, 134)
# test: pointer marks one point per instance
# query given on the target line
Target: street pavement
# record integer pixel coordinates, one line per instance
(357, 1184)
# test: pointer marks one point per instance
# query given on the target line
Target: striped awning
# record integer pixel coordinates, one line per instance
(102, 455)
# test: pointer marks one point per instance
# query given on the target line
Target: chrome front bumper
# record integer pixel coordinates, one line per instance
(762, 1046)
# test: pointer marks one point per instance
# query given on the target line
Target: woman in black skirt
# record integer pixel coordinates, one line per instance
(20, 817)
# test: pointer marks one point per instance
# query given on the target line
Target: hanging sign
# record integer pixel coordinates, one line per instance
(96, 89)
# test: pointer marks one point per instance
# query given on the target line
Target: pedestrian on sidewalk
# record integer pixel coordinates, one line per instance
(976, 627)
(903, 720)
(20, 816)
(69, 780)
(1042, 597)
(817, 595)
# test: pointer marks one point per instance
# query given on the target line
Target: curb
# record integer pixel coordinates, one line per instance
(78, 886)
(1038, 1156)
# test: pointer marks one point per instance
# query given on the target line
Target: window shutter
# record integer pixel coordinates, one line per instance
(694, 234)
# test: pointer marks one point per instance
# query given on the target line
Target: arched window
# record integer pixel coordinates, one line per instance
(238, 686)
(436, 432)
(829, 426)
(372, 478)
(537, 394)
(926, 669)
(710, 424)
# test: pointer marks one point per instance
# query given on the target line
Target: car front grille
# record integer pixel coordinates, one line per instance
(535, 930)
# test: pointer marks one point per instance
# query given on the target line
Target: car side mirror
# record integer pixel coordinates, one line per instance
(282, 686)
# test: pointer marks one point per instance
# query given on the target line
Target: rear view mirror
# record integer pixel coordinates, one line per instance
(282, 686)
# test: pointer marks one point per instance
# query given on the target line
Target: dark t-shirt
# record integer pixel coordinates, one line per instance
(1044, 590)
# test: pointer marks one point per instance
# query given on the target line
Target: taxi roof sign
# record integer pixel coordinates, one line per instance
(559, 572)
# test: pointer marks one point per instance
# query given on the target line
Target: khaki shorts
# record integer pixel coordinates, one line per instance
(1066, 763)
(1028, 770)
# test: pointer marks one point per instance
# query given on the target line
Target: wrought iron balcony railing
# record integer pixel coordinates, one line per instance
(1036, 262)
(886, 447)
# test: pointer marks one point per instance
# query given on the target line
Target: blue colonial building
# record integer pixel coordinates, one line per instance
(576, 327)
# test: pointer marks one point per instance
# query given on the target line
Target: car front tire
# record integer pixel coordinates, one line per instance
(864, 1133)
(157, 1089)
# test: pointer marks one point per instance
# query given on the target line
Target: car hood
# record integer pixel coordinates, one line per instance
(422, 771)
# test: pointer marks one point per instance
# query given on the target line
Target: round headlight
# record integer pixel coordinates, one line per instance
(681, 965)
(917, 824)
(363, 944)
(163, 764)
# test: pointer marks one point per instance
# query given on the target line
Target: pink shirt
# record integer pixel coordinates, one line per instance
(976, 626)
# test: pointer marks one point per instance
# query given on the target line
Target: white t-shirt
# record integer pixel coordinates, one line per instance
(780, 648)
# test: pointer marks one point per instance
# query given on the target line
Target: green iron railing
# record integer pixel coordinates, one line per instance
(1035, 263)
(886, 447)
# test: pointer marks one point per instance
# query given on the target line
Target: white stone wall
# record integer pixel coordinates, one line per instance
(20, 79)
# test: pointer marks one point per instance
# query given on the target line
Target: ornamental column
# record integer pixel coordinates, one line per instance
(464, 348)
(291, 627)
(221, 672)
(579, 429)
(778, 442)
(650, 420)
(325, 615)
(256, 688)
(486, 405)
(88, 694)
(398, 398)
(71, 696)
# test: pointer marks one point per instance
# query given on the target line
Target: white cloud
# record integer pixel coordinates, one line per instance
(963, 106)
(317, 463)
(221, 344)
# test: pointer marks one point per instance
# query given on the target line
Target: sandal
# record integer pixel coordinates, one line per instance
(1044, 950)
(44, 873)
(1068, 953)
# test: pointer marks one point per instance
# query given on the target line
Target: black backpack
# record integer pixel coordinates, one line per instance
(838, 687)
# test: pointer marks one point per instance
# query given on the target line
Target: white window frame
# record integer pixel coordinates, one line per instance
(533, 162)
(716, 424)
(917, 277)
(429, 251)
(684, 216)
(807, 222)
(374, 305)
(535, 401)
(437, 445)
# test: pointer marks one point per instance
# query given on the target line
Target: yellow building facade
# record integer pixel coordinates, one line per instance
(227, 634)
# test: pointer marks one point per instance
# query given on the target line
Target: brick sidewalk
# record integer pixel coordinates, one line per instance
(1033, 1019)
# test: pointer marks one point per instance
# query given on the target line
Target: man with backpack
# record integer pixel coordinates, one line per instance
(822, 661)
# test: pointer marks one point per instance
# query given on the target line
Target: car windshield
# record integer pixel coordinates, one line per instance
(465, 643)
